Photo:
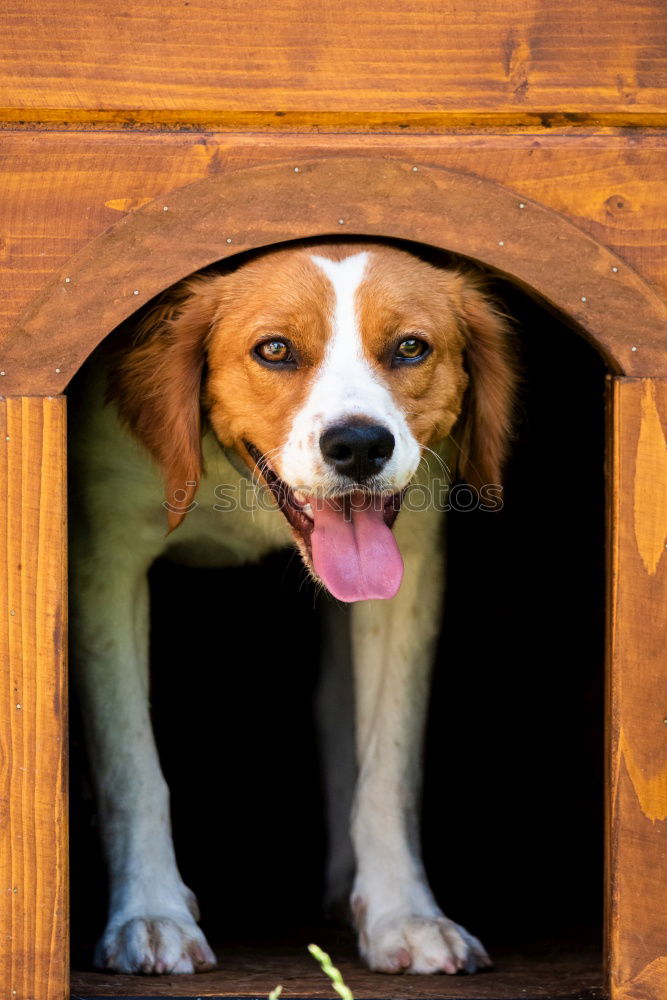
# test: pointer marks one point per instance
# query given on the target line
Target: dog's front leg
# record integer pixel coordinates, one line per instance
(152, 914)
(399, 923)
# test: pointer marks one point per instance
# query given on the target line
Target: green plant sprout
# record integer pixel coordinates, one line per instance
(331, 971)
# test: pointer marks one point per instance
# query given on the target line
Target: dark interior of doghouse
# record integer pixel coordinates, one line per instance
(512, 810)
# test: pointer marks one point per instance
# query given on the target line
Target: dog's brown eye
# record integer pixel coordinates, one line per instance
(411, 349)
(274, 352)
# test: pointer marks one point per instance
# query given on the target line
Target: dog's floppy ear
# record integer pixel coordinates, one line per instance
(156, 385)
(484, 428)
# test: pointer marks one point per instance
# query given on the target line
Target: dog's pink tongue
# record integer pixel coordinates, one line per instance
(354, 552)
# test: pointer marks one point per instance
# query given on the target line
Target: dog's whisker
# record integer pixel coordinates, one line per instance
(257, 479)
(467, 457)
(441, 462)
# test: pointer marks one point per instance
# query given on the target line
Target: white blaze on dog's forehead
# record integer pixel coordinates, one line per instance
(345, 276)
(346, 381)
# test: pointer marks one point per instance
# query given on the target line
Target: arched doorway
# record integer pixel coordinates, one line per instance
(241, 210)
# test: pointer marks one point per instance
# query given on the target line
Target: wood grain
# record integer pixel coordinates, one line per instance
(33, 685)
(62, 190)
(353, 55)
(569, 973)
(637, 794)
(233, 211)
(328, 122)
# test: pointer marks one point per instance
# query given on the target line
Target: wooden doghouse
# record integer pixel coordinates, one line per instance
(140, 144)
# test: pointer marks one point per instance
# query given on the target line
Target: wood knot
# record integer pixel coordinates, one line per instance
(617, 205)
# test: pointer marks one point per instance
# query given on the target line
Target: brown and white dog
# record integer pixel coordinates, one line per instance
(333, 374)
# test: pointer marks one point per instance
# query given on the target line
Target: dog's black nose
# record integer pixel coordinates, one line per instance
(357, 449)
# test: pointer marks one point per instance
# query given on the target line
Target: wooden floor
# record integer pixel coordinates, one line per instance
(255, 971)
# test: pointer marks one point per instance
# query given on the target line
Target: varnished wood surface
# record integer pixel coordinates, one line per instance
(330, 122)
(637, 806)
(544, 974)
(62, 190)
(236, 210)
(354, 55)
(33, 727)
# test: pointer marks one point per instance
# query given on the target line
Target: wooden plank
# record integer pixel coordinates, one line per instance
(637, 792)
(611, 186)
(232, 211)
(33, 689)
(325, 122)
(570, 974)
(354, 55)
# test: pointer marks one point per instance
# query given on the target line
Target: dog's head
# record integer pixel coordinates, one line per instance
(328, 369)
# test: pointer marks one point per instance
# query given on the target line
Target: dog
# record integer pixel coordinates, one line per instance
(333, 377)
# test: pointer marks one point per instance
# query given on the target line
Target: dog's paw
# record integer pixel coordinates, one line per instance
(421, 945)
(154, 945)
